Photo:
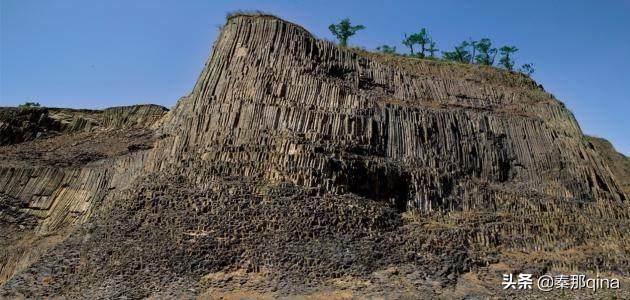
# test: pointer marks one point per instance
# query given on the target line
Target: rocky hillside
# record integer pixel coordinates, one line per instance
(618, 163)
(18, 125)
(296, 167)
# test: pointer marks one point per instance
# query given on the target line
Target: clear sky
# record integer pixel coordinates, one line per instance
(96, 54)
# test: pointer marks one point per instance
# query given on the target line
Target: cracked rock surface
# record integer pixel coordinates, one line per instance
(298, 168)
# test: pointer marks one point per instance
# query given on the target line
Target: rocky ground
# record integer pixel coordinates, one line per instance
(298, 169)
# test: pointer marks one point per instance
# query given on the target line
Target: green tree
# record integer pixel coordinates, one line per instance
(473, 46)
(460, 54)
(432, 49)
(486, 53)
(423, 39)
(386, 49)
(344, 30)
(527, 69)
(506, 60)
(409, 41)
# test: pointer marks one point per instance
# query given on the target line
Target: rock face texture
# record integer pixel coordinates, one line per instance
(58, 163)
(19, 125)
(294, 164)
(619, 164)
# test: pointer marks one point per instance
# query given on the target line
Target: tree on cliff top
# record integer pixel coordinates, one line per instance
(387, 49)
(432, 49)
(421, 38)
(506, 60)
(527, 69)
(460, 54)
(344, 30)
(473, 46)
(409, 41)
(486, 53)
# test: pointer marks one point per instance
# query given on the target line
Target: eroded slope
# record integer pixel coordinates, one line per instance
(57, 164)
(296, 166)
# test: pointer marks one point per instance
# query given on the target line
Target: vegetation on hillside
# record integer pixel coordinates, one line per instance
(386, 49)
(422, 39)
(28, 105)
(344, 30)
(422, 45)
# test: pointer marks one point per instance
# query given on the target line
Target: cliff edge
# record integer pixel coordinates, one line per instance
(296, 167)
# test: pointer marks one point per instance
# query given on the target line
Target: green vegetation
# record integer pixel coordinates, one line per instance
(423, 39)
(506, 61)
(432, 49)
(409, 42)
(527, 69)
(486, 53)
(387, 49)
(27, 105)
(344, 30)
(473, 45)
(481, 52)
(460, 54)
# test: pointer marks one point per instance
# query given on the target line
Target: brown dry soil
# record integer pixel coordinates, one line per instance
(297, 169)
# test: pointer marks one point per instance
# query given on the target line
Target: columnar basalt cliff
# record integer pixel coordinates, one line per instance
(294, 165)
(56, 165)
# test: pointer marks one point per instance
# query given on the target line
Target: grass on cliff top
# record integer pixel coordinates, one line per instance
(472, 72)
(422, 66)
(249, 13)
(261, 14)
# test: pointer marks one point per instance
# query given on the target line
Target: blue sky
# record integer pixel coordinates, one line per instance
(96, 54)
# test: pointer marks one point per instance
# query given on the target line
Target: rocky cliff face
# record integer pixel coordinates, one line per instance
(274, 102)
(18, 125)
(619, 164)
(294, 163)
(58, 163)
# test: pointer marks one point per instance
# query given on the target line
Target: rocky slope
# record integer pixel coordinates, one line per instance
(296, 167)
(56, 164)
(619, 164)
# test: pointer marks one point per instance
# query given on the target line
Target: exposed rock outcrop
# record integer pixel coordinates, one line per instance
(299, 163)
(19, 125)
(58, 163)
(618, 163)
